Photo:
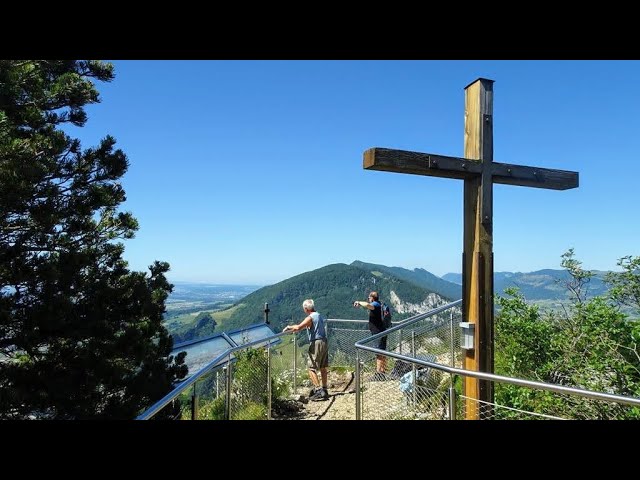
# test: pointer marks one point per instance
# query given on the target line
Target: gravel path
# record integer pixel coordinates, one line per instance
(381, 401)
(341, 404)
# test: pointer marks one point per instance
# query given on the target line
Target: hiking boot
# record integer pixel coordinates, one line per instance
(313, 391)
(320, 395)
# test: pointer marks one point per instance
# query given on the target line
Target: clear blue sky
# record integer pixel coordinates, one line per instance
(251, 171)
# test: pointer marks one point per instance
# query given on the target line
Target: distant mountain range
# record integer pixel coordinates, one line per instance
(544, 284)
(335, 287)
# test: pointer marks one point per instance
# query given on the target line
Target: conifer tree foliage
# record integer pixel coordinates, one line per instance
(80, 334)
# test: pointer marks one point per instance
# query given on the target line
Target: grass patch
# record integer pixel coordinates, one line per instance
(221, 316)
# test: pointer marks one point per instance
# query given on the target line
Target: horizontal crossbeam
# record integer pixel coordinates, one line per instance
(403, 161)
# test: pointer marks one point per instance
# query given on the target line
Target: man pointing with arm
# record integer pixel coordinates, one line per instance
(376, 325)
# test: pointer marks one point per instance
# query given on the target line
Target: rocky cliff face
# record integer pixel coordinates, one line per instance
(432, 301)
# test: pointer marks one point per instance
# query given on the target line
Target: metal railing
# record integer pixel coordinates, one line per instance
(216, 391)
(434, 336)
(344, 333)
(239, 383)
(423, 378)
(428, 386)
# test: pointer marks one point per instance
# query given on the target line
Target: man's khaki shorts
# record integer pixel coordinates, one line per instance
(318, 355)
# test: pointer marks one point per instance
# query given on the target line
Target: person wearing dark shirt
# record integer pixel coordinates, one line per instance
(376, 325)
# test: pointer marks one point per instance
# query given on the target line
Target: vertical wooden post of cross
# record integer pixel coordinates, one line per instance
(478, 171)
(477, 281)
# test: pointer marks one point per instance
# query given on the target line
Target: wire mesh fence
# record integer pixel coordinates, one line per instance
(247, 384)
(286, 363)
(210, 396)
(396, 389)
(250, 382)
(411, 390)
(515, 402)
(471, 408)
(342, 336)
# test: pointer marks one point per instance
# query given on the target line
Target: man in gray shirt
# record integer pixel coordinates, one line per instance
(318, 348)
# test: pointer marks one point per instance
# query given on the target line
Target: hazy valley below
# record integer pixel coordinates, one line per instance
(191, 295)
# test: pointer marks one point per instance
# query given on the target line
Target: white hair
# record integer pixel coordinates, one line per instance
(308, 304)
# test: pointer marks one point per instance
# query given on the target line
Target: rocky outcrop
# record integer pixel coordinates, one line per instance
(431, 301)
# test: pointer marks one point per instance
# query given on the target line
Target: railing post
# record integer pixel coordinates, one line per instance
(413, 366)
(452, 378)
(227, 408)
(295, 363)
(269, 381)
(452, 332)
(357, 380)
(217, 384)
(452, 399)
(194, 403)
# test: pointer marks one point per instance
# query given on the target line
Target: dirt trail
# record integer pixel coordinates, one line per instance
(341, 404)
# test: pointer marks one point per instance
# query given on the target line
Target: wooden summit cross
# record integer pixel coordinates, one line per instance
(479, 173)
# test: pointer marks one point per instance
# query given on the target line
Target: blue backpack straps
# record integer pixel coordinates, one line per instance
(386, 315)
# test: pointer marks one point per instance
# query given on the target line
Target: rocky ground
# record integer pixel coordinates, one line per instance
(380, 400)
(341, 404)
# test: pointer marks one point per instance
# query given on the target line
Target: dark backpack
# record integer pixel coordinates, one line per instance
(386, 315)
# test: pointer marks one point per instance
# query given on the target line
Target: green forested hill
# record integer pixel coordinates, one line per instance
(417, 276)
(333, 288)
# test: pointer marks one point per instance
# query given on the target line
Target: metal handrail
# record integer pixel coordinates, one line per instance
(221, 358)
(182, 386)
(409, 321)
(499, 378)
(348, 320)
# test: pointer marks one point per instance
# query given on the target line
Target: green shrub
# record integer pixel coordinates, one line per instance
(251, 411)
